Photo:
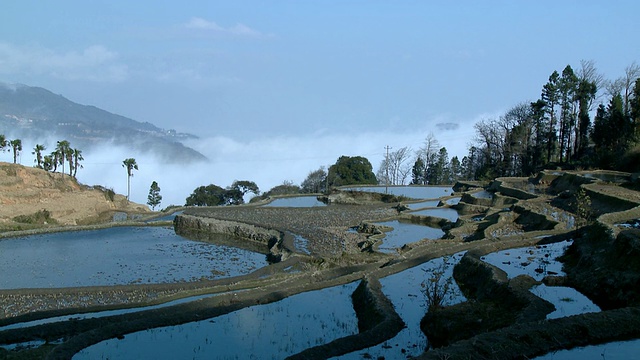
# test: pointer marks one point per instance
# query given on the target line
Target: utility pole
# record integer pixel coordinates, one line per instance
(386, 161)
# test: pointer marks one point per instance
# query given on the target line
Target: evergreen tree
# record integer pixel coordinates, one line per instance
(418, 176)
(455, 170)
(154, 197)
(566, 93)
(550, 99)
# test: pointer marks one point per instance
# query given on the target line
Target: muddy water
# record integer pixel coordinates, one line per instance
(117, 256)
(271, 331)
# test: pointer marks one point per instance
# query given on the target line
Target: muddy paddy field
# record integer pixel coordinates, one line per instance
(343, 276)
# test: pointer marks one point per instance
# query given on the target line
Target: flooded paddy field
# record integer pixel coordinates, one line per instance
(271, 331)
(405, 290)
(296, 201)
(306, 302)
(411, 192)
(405, 233)
(118, 256)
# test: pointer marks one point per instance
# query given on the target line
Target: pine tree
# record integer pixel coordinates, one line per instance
(154, 197)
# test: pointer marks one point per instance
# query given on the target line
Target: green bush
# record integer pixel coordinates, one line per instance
(40, 217)
(109, 194)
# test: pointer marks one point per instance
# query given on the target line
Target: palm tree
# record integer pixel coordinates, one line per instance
(37, 151)
(16, 145)
(130, 165)
(77, 157)
(53, 165)
(62, 149)
(3, 142)
(47, 163)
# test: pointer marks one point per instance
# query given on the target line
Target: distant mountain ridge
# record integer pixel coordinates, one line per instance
(37, 113)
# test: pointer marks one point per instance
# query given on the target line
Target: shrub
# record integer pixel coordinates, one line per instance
(40, 217)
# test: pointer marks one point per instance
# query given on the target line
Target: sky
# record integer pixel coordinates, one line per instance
(276, 89)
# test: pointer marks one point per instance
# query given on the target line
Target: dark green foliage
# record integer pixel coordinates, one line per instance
(556, 130)
(109, 194)
(355, 170)
(154, 197)
(210, 195)
(214, 195)
(286, 188)
(418, 176)
(612, 133)
(237, 190)
(16, 146)
(40, 217)
(129, 164)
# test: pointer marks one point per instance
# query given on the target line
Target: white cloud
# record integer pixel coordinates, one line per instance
(94, 63)
(239, 29)
(267, 161)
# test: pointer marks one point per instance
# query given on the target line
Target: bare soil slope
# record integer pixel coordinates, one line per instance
(24, 191)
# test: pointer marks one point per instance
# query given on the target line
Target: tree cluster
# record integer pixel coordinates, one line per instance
(62, 155)
(431, 165)
(556, 130)
(214, 195)
(11, 145)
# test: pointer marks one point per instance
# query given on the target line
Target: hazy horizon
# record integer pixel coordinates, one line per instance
(276, 89)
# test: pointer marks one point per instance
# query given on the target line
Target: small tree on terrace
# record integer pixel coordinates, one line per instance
(77, 157)
(236, 192)
(3, 142)
(37, 151)
(154, 197)
(63, 148)
(130, 164)
(16, 145)
(315, 182)
(355, 170)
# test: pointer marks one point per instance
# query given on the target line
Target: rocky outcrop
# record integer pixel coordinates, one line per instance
(605, 267)
(273, 239)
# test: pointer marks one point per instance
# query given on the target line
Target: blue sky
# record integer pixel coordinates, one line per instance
(348, 77)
